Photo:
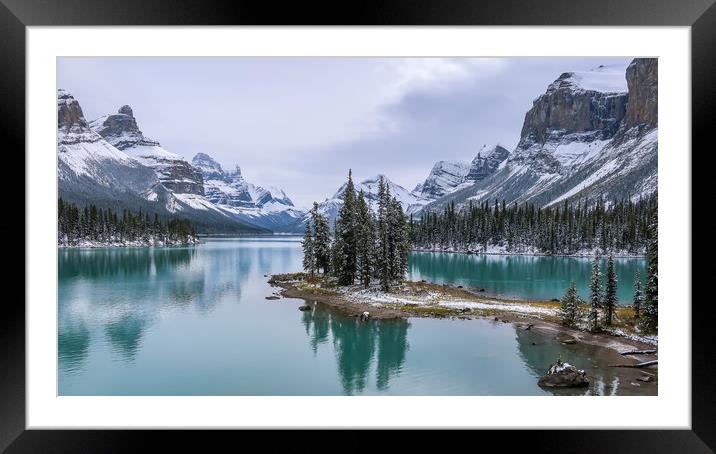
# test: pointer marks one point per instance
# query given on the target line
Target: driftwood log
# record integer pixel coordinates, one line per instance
(638, 365)
(639, 352)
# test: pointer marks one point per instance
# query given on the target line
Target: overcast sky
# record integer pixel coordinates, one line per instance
(300, 123)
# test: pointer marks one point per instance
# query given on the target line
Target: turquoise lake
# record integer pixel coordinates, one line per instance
(195, 321)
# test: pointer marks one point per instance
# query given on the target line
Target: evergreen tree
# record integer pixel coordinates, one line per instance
(650, 320)
(383, 247)
(309, 259)
(346, 236)
(321, 241)
(595, 295)
(365, 241)
(569, 306)
(638, 297)
(399, 244)
(610, 297)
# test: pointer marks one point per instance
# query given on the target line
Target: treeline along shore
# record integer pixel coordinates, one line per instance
(618, 228)
(360, 266)
(91, 226)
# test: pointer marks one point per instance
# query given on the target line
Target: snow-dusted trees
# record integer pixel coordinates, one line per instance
(595, 295)
(638, 297)
(104, 226)
(309, 258)
(610, 295)
(346, 236)
(392, 242)
(365, 241)
(364, 246)
(569, 306)
(617, 226)
(650, 319)
(321, 240)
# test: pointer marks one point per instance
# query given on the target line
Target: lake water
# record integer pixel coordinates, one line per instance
(195, 321)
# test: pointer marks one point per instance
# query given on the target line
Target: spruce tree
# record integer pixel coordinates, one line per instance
(309, 259)
(322, 240)
(650, 320)
(382, 250)
(569, 306)
(365, 241)
(595, 295)
(638, 297)
(346, 235)
(610, 297)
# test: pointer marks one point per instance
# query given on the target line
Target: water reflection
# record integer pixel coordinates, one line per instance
(538, 277)
(72, 346)
(358, 346)
(125, 335)
(539, 351)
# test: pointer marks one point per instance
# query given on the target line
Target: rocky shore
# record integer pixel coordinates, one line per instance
(424, 299)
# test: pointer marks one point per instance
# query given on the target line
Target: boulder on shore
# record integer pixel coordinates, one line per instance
(564, 375)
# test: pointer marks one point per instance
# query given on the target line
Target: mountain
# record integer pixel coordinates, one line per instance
(591, 134)
(444, 177)
(447, 177)
(268, 207)
(93, 170)
(410, 202)
(174, 172)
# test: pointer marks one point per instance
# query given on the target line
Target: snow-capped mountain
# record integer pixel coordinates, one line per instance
(93, 170)
(409, 201)
(267, 207)
(444, 177)
(122, 131)
(447, 177)
(89, 166)
(591, 134)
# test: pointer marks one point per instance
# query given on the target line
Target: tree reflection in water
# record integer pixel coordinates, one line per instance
(359, 345)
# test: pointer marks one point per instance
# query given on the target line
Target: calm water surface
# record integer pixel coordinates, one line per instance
(195, 321)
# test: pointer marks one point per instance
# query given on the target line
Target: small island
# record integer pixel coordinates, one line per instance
(360, 270)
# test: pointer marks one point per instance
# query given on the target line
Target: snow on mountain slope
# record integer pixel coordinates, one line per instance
(122, 131)
(447, 177)
(89, 164)
(578, 142)
(92, 170)
(410, 202)
(267, 207)
(444, 177)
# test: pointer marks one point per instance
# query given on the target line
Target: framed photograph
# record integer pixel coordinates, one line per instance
(412, 217)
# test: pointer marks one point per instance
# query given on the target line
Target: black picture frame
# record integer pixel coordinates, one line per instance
(16, 15)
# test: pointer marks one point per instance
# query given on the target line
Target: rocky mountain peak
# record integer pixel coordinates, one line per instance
(642, 80)
(578, 102)
(121, 129)
(126, 110)
(486, 162)
(69, 113)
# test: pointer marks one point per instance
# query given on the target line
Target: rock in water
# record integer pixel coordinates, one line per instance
(273, 297)
(564, 375)
(304, 307)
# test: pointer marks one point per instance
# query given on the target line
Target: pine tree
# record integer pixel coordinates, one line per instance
(610, 298)
(569, 306)
(346, 234)
(322, 240)
(382, 259)
(365, 241)
(309, 259)
(638, 297)
(650, 320)
(399, 244)
(595, 295)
